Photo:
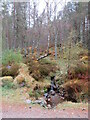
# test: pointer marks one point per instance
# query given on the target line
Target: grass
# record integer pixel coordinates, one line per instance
(10, 56)
(74, 52)
(72, 105)
(11, 95)
(6, 91)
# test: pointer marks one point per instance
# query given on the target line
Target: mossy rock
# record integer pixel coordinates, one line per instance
(6, 78)
(6, 81)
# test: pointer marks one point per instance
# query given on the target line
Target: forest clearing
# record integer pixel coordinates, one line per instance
(44, 70)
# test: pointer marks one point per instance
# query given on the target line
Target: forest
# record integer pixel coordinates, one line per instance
(44, 59)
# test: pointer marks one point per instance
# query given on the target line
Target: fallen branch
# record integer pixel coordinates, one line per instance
(41, 57)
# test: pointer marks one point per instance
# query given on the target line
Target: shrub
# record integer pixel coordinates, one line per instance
(10, 56)
(10, 70)
(76, 90)
(36, 76)
(44, 71)
(35, 93)
(78, 71)
(44, 61)
(40, 69)
(83, 53)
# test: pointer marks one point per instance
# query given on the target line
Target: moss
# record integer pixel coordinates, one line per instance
(7, 82)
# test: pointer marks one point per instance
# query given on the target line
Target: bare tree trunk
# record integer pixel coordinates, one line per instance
(29, 13)
(48, 23)
(7, 34)
(55, 45)
(14, 32)
(48, 42)
(55, 30)
(84, 31)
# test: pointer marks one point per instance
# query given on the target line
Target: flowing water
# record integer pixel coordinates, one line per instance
(53, 97)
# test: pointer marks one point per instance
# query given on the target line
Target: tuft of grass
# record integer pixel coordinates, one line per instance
(9, 56)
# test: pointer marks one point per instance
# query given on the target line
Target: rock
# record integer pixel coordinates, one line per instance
(30, 107)
(41, 102)
(28, 101)
(46, 94)
(22, 84)
(37, 101)
(52, 92)
(83, 109)
(5, 80)
(49, 106)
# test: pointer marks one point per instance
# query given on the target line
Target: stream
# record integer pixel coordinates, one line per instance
(53, 95)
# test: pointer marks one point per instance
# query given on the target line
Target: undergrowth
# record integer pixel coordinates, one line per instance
(10, 56)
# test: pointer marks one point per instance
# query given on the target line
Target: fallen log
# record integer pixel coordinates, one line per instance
(41, 57)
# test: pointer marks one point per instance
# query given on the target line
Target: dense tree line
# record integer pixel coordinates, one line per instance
(24, 26)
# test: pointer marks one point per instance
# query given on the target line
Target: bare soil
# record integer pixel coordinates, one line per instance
(64, 110)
